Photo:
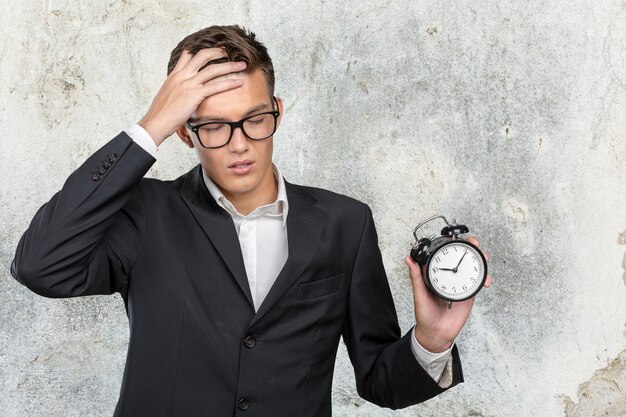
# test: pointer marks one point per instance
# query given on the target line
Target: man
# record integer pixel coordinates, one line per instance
(237, 284)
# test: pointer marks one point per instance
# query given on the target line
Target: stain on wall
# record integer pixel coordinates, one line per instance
(603, 394)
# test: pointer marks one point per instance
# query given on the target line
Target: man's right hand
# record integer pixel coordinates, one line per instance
(185, 88)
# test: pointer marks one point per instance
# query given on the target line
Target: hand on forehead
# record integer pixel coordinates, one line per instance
(230, 75)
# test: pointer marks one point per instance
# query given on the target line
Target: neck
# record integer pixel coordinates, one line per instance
(265, 193)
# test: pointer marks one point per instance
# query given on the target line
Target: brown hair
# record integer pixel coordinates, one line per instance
(238, 43)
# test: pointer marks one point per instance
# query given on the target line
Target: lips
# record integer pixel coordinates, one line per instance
(241, 167)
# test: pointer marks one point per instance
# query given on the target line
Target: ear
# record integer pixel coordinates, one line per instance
(281, 109)
(184, 135)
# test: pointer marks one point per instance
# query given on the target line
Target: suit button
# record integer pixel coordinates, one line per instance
(102, 170)
(106, 163)
(112, 157)
(95, 176)
(243, 404)
(249, 342)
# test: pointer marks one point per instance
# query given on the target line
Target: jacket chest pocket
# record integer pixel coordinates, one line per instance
(320, 288)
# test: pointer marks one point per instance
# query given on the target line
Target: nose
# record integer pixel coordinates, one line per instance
(238, 143)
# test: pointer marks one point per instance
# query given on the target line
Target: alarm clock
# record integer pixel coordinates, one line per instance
(452, 268)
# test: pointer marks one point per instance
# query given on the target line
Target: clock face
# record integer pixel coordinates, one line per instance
(456, 270)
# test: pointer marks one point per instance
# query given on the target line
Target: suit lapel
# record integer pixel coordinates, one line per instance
(305, 225)
(217, 224)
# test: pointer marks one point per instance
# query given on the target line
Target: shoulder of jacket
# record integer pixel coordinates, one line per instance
(175, 183)
(326, 198)
(161, 187)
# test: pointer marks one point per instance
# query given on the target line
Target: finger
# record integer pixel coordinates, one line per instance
(227, 76)
(183, 59)
(473, 241)
(415, 273)
(203, 56)
(216, 87)
(414, 269)
(488, 281)
(217, 70)
(413, 266)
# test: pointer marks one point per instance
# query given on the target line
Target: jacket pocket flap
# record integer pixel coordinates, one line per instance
(319, 288)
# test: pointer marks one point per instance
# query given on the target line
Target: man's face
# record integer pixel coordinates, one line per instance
(243, 168)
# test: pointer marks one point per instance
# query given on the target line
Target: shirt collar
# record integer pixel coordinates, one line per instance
(280, 207)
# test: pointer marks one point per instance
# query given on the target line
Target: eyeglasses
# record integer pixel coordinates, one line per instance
(259, 126)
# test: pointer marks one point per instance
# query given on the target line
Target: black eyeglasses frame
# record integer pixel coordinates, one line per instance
(234, 125)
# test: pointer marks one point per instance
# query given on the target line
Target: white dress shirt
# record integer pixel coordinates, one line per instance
(263, 240)
(262, 237)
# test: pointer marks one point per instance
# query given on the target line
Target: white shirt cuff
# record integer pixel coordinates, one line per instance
(142, 138)
(433, 363)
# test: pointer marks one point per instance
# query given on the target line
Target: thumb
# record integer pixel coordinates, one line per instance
(415, 273)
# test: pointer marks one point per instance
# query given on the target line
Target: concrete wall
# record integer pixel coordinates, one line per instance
(507, 115)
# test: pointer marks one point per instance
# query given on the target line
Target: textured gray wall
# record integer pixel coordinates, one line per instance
(507, 115)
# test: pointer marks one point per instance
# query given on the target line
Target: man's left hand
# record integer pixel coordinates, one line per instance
(437, 326)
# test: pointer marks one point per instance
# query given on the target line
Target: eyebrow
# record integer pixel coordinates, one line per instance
(211, 118)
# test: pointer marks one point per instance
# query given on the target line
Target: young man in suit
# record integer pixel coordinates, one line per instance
(238, 285)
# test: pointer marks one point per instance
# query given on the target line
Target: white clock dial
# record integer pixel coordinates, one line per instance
(456, 271)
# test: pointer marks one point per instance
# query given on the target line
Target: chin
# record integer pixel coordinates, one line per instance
(241, 185)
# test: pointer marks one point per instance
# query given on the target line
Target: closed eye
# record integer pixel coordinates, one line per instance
(212, 128)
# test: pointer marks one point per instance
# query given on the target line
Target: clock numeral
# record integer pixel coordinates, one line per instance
(473, 280)
(475, 269)
(455, 249)
(465, 251)
(454, 289)
(444, 251)
(464, 287)
(435, 269)
(474, 258)
(435, 280)
(437, 259)
(443, 287)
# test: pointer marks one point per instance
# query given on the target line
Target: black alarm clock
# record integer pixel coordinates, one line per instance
(452, 268)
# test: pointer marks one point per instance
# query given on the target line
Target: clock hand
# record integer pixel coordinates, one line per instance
(456, 268)
(446, 269)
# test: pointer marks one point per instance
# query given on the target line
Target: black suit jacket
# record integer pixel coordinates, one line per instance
(197, 347)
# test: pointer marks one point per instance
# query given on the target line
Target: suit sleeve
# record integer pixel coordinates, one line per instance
(86, 238)
(385, 368)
